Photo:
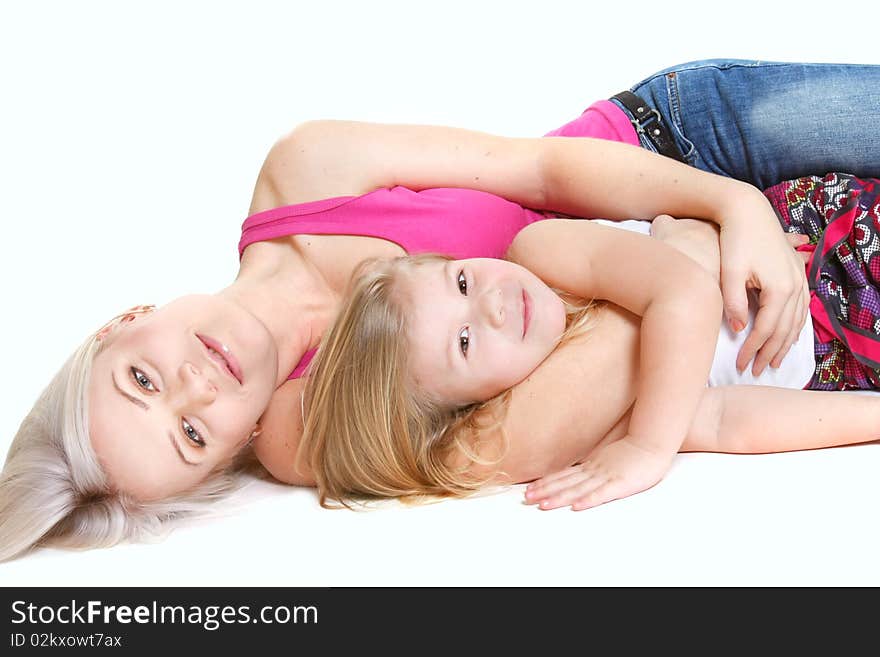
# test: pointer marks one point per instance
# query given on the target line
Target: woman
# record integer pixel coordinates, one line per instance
(221, 377)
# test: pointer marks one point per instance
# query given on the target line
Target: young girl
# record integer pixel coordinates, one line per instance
(434, 348)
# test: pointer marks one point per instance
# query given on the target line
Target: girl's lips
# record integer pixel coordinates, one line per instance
(527, 312)
(225, 356)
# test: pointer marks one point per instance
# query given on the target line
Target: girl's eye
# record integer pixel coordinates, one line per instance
(142, 380)
(192, 435)
(464, 338)
(462, 283)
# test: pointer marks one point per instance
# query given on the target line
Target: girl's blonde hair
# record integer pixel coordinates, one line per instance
(368, 430)
(53, 491)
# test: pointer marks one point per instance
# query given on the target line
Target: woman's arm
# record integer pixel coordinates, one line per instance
(576, 175)
(582, 176)
(700, 241)
(680, 306)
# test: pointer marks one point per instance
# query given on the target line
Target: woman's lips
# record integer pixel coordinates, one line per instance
(222, 355)
(527, 312)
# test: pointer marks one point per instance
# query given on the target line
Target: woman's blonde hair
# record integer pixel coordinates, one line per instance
(53, 491)
(369, 431)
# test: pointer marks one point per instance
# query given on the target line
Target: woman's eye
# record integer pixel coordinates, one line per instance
(142, 380)
(462, 283)
(464, 338)
(192, 435)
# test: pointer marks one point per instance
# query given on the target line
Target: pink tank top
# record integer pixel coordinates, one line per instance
(462, 223)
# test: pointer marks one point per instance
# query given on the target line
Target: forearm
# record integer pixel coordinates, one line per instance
(678, 337)
(763, 419)
(598, 178)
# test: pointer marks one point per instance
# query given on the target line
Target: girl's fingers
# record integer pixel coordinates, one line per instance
(561, 481)
(579, 489)
(539, 484)
(550, 478)
(608, 491)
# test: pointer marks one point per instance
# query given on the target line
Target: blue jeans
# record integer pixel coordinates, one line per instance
(764, 122)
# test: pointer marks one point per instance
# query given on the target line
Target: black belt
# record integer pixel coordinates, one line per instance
(646, 120)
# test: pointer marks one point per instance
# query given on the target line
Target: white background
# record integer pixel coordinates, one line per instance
(130, 139)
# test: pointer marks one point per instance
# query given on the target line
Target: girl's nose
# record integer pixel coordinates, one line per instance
(492, 307)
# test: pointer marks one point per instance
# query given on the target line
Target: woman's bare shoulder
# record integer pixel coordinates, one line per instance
(326, 159)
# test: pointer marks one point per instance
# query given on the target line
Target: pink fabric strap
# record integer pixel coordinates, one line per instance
(303, 364)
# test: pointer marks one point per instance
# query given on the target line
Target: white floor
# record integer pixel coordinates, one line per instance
(798, 519)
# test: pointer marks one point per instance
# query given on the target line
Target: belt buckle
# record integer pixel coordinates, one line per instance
(644, 120)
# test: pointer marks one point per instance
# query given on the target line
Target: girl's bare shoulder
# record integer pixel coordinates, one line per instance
(568, 405)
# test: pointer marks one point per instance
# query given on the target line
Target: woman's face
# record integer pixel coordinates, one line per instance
(477, 327)
(164, 408)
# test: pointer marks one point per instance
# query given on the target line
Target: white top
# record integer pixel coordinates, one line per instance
(797, 367)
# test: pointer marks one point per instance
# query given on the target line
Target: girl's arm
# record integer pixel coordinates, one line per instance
(764, 419)
(744, 420)
(581, 176)
(680, 306)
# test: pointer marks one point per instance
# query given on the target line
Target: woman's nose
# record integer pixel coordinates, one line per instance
(492, 306)
(197, 386)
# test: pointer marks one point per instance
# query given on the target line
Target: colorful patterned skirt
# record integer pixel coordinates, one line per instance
(841, 215)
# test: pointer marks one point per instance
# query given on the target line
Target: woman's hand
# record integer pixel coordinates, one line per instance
(755, 254)
(698, 240)
(613, 471)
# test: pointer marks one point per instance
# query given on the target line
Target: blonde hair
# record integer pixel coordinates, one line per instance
(369, 431)
(53, 491)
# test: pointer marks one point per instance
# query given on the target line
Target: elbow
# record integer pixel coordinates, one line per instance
(688, 296)
(692, 309)
(704, 433)
(704, 294)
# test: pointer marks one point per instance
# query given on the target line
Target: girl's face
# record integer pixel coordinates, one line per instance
(164, 409)
(477, 327)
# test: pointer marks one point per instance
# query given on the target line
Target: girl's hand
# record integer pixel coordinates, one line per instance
(612, 471)
(755, 254)
(696, 238)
